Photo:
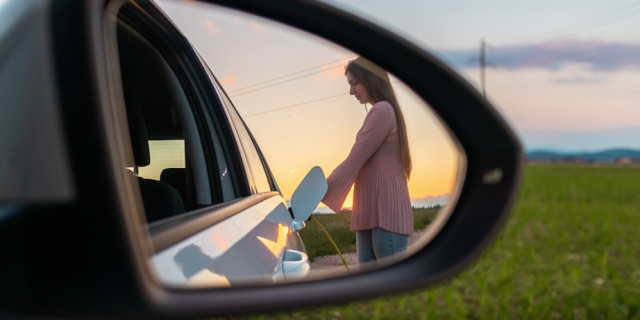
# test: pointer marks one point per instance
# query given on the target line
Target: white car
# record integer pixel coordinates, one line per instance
(219, 217)
(131, 188)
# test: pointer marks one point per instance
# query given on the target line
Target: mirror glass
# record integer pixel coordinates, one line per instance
(262, 154)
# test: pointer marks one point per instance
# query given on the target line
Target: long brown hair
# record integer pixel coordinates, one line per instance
(376, 81)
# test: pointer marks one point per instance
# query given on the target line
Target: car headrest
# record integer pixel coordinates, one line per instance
(176, 177)
(138, 132)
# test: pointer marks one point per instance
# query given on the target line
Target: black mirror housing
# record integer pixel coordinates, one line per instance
(107, 274)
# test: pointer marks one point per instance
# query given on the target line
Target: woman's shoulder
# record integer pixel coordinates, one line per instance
(382, 114)
(383, 107)
(382, 104)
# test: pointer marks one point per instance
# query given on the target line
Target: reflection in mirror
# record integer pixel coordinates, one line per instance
(297, 160)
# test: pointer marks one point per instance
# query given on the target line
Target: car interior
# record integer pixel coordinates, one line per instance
(157, 110)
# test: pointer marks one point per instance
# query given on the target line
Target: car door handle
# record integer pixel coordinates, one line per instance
(295, 265)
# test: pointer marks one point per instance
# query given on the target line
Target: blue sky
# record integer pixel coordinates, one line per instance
(459, 24)
(565, 74)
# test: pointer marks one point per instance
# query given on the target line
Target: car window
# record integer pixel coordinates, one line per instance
(222, 160)
(164, 154)
(252, 156)
(177, 152)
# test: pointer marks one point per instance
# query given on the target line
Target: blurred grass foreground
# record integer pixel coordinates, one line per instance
(571, 250)
(339, 227)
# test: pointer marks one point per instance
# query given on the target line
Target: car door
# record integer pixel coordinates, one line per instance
(239, 228)
(255, 163)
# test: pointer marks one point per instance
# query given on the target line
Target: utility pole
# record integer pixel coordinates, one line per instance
(483, 64)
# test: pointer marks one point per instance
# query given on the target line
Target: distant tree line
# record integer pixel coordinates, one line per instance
(437, 206)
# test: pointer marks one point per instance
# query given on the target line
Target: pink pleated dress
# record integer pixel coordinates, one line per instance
(381, 195)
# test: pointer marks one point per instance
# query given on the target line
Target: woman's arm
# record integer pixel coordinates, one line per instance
(377, 125)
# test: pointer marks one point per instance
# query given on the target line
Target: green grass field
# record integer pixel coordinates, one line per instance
(571, 250)
(338, 226)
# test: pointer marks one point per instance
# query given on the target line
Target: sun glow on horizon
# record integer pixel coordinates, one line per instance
(296, 99)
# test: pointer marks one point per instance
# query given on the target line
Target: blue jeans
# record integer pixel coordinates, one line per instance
(377, 243)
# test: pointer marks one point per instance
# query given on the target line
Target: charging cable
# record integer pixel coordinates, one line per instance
(333, 242)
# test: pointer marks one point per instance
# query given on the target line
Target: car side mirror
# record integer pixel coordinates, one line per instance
(308, 194)
(97, 241)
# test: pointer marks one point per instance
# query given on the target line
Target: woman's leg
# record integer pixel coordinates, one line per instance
(365, 246)
(387, 243)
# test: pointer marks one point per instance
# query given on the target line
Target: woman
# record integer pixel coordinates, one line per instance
(379, 164)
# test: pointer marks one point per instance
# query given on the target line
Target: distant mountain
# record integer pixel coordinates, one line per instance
(323, 210)
(430, 201)
(609, 155)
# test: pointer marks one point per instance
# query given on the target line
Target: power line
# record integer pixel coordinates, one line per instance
(604, 23)
(612, 13)
(589, 24)
(279, 83)
(290, 74)
(604, 19)
(601, 48)
(586, 22)
(303, 103)
(295, 105)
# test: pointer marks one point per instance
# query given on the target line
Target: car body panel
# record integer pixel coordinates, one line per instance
(246, 247)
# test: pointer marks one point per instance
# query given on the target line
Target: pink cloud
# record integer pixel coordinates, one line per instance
(598, 55)
(227, 81)
(330, 72)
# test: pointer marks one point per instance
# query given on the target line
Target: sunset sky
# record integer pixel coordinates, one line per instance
(246, 50)
(564, 74)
